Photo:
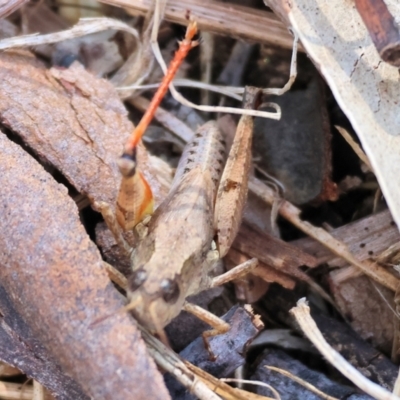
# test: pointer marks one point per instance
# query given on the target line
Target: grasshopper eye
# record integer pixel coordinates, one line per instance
(170, 290)
(137, 279)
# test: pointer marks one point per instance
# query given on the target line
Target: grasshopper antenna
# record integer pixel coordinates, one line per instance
(133, 184)
(184, 47)
(129, 307)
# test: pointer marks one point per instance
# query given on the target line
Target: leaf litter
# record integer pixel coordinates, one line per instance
(79, 144)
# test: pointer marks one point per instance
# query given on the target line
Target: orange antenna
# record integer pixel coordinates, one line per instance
(184, 47)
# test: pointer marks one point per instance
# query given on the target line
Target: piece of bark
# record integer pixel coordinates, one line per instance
(251, 288)
(364, 302)
(229, 349)
(296, 149)
(365, 238)
(288, 388)
(19, 347)
(273, 251)
(72, 120)
(54, 277)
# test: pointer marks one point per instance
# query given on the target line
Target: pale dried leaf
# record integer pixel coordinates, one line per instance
(366, 88)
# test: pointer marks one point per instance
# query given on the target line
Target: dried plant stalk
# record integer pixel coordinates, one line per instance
(310, 329)
(292, 214)
(212, 16)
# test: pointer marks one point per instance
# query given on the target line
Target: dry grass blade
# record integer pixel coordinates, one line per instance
(222, 389)
(310, 329)
(178, 97)
(15, 391)
(229, 91)
(240, 22)
(357, 149)
(302, 382)
(84, 27)
(170, 362)
(254, 383)
(292, 214)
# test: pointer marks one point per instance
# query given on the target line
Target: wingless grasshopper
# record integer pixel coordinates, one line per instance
(193, 227)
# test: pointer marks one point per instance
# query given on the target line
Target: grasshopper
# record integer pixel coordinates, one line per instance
(176, 252)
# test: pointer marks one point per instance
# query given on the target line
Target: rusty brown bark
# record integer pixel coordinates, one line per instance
(54, 278)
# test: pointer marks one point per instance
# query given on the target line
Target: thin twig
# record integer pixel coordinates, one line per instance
(292, 214)
(310, 329)
(302, 382)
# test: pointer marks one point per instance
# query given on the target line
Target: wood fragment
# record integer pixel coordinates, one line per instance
(292, 214)
(382, 28)
(366, 238)
(229, 348)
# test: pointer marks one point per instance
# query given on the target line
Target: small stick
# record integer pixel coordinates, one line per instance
(184, 47)
(382, 28)
(292, 214)
(302, 314)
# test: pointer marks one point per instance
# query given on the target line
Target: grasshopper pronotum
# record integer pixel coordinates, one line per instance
(175, 256)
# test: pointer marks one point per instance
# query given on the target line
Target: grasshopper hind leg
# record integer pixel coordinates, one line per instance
(219, 325)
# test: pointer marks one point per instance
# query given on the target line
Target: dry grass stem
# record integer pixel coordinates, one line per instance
(230, 91)
(212, 16)
(255, 383)
(355, 146)
(310, 329)
(292, 214)
(178, 97)
(302, 382)
(170, 362)
(224, 90)
(85, 26)
(15, 391)
(38, 391)
(222, 389)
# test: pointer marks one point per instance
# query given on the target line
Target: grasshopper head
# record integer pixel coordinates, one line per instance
(155, 300)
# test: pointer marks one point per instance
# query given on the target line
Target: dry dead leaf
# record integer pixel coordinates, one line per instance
(366, 88)
(72, 120)
(53, 274)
